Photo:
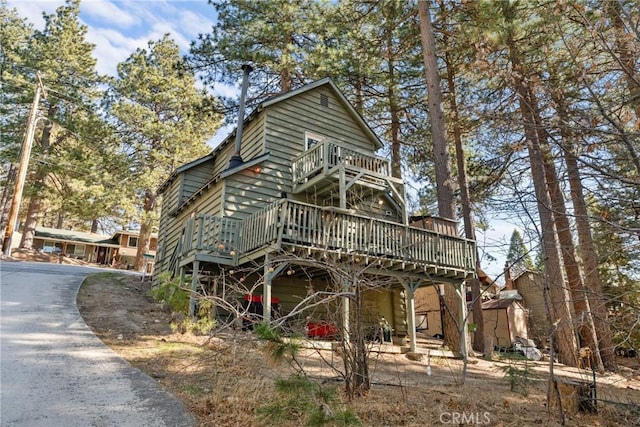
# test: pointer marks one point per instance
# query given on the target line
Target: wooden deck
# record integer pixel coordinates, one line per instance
(330, 161)
(314, 230)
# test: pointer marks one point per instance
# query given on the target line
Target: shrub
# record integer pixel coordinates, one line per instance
(173, 292)
(305, 401)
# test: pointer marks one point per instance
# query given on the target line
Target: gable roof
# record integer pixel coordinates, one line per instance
(295, 92)
(230, 138)
(134, 233)
(343, 100)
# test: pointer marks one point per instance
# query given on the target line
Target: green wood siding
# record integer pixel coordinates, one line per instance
(167, 224)
(288, 120)
(247, 191)
(171, 226)
(171, 196)
(280, 131)
(195, 178)
(252, 145)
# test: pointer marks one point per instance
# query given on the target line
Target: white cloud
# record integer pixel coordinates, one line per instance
(32, 10)
(222, 133)
(225, 90)
(193, 23)
(117, 28)
(112, 47)
(107, 10)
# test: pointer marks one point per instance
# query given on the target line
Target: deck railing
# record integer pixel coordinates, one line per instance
(327, 154)
(210, 233)
(331, 229)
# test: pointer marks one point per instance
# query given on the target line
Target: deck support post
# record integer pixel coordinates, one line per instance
(410, 289)
(266, 290)
(345, 311)
(194, 287)
(461, 290)
(270, 272)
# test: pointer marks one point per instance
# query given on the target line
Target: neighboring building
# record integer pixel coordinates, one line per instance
(125, 256)
(117, 250)
(530, 284)
(504, 320)
(308, 183)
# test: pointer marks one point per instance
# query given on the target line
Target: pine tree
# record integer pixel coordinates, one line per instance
(64, 59)
(14, 97)
(275, 37)
(518, 255)
(453, 330)
(163, 121)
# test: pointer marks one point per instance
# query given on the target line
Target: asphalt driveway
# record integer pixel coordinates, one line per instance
(55, 372)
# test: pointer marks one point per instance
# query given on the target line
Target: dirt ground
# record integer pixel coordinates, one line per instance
(224, 379)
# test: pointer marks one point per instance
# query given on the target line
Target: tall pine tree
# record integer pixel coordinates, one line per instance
(162, 120)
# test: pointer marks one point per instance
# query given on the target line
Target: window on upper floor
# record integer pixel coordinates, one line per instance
(312, 139)
(132, 242)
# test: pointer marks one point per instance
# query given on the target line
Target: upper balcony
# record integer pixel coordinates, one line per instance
(390, 248)
(323, 166)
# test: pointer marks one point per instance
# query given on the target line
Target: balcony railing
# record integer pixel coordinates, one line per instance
(206, 233)
(286, 222)
(324, 156)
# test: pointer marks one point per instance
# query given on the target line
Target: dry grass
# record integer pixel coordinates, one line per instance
(224, 380)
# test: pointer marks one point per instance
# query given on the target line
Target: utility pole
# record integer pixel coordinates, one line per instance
(21, 176)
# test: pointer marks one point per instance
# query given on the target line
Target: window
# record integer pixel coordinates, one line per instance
(312, 139)
(79, 250)
(51, 247)
(133, 242)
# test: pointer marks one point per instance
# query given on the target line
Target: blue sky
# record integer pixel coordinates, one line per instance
(119, 27)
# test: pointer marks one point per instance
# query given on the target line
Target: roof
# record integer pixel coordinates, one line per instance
(130, 233)
(230, 138)
(75, 236)
(496, 304)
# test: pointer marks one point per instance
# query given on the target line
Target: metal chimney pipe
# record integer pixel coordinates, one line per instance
(236, 159)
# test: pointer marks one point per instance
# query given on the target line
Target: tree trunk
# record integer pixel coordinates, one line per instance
(587, 247)
(396, 164)
(6, 197)
(442, 163)
(558, 294)
(582, 312)
(465, 202)
(60, 220)
(144, 238)
(31, 220)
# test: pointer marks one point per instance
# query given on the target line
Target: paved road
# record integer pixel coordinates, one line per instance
(55, 372)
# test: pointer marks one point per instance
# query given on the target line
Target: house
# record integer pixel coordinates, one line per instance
(125, 255)
(119, 249)
(304, 180)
